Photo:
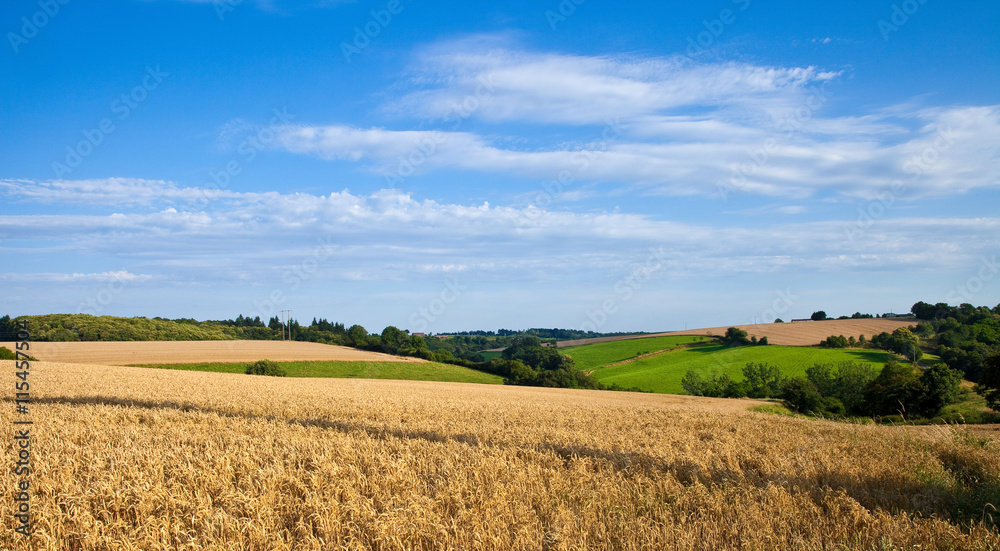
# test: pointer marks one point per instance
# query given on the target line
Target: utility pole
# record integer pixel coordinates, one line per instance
(287, 324)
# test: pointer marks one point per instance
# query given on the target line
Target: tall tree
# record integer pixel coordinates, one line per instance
(989, 384)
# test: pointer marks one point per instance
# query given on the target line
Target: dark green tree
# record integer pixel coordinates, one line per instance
(902, 341)
(763, 380)
(941, 388)
(989, 382)
(849, 384)
(835, 341)
(735, 337)
(393, 339)
(818, 316)
(357, 336)
(693, 384)
(896, 390)
(265, 367)
(798, 394)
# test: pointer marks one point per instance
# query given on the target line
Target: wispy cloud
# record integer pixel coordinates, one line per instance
(103, 277)
(681, 128)
(390, 234)
(953, 151)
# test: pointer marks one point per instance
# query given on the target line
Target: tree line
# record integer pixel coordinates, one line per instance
(845, 389)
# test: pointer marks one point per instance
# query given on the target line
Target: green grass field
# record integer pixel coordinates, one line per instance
(663, 373)
(592, 356)
(428, 371)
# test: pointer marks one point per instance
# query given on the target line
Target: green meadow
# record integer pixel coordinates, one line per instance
(663, 372)
(592, 356)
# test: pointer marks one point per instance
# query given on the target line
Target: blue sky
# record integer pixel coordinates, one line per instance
(440, 166)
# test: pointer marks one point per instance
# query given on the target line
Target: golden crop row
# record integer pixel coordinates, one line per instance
(131, 458)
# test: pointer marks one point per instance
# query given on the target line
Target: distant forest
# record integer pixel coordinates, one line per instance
(465, 345)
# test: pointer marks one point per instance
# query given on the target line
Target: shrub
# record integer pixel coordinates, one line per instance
(833, 406)
(941, 388)
(989, 385)
(716, 387)
(901, 341)
(834, 341)
(266, 367)
(847, 383)
(896, 390)
(735, 337)
(693, 384)
(7, 354)
(763, 380)
(800, 395)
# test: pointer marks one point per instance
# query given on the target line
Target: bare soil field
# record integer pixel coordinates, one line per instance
(175, 352)
(141, 458)
(800, 333)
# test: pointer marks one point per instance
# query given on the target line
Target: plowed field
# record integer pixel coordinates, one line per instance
(800, 333)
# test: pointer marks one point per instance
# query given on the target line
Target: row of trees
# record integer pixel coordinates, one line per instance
(821, 316)
(737, 337)
(965, 335)
(526, 362)
(760, 380)
(902, 341)
(848, 388)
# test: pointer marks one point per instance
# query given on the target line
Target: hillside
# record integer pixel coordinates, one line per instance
(663, 372)
(224, 461)
(83, 327)
(800, 333)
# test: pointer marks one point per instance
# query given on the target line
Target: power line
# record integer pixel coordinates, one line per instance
(287, 324)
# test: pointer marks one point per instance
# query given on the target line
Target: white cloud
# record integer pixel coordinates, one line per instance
(392, 235)
(123, 276)
(106, 191)
(664, 126)
(506, 84)
(953, 150)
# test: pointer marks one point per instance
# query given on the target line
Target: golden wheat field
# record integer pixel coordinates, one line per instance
(162, 352)
(133, 458)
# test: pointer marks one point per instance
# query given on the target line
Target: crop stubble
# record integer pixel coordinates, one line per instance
(800, 333)
(176, 352)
